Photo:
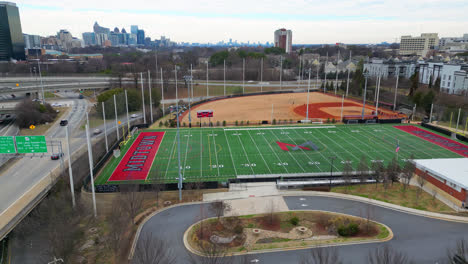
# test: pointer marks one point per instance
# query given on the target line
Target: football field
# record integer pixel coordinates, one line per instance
(220, 154)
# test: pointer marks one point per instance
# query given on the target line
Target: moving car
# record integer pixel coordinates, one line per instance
(134, 116)
(64, 122)
(56, 156)
(97, 131)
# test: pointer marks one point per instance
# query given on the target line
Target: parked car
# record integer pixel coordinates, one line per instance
(80, 96)
(56, 156)
(64, 122)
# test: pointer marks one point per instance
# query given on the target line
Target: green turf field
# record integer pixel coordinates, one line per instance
(219, 154)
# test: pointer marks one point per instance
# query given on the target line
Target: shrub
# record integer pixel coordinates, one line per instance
(274, 121)
(217, 123)
(238, 229)
(248, 122)
(294, 221)
(290, 121)
(237, 123)
(211, 124)
(161, 124)
(333, 120)
(166, 123)
(184, 124)
(242, 123)
(198, 123)
(328, 120)
(348, 230)
(224, 122)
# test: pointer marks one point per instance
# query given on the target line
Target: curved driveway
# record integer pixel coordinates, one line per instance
(425, 240)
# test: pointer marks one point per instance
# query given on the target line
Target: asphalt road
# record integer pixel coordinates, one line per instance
(425, 240)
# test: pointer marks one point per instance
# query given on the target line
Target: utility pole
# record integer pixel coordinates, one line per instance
(40, 77)
(70, 171)
(143, 98)
(179, 185)
(116, 121)
(91, 173)
(105, 127)
(150, 99)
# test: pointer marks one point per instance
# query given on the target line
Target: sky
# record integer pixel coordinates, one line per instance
(312, 21)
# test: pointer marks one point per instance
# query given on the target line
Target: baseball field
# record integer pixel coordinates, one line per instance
(225, 153)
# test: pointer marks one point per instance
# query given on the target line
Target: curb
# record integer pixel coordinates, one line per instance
(196, 252)
(439, 216)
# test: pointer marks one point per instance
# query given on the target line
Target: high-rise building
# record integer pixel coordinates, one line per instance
(419, 46)
(140, 37)
(11, 34)
(134, 29)
(89, 38)
(32, 41)
(283, 39)
(100, 30)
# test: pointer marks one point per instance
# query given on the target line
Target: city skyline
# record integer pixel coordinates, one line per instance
(342, 21)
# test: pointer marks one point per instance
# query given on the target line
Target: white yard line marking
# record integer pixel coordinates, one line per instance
(170, 156)
(350, 142)
(339, 145)
(246, 156)
(201, 154)
(186, 151)
(216, 153)
(273, 151)
(302, 150)
(230, 153)
(272, 128)
(268, 167)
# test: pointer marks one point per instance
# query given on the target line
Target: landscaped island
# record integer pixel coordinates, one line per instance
(294, 229)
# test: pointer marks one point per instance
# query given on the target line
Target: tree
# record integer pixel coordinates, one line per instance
(458, 254)
(321, 255)
(386, 255)
(213, 254)
(377, 168)
(437, 84)
(151, 250)
(414, 83)
(131, 200)
(421, 180)
(219, 208)
(117, 221)
(427, 100)
(407, 172)
(363, 169)
(393, 170)
(33, 113)
(347, 174)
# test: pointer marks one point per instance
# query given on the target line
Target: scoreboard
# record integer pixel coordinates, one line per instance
(204, 113)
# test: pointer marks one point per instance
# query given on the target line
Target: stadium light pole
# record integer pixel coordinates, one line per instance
(224, 75)
(261, 76)
(150, 99)
(143, 98)
(332, 158)
(40, 77)
(377, 98)
(179, 185)
(70, 171)
(347, 81)
(207, 89)
(162, 92)
(116, 122)
(299, 73)
(325, 71)
(336, 81)
(272, 114)
(91, 173)
(190, 97)
(396, 91)
(105, 127)
(458, 119)
(342, 105)
(430, 115)
(281, 72)
(366, 75)
(126, 107)
(243, 76)
(308, 91)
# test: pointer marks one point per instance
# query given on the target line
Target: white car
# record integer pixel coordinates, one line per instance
(97, 131)
(134, 116)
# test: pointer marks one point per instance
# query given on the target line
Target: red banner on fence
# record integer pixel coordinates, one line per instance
(444, 142)
(136, 163)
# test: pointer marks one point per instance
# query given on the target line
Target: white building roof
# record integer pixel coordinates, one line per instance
(452, 170)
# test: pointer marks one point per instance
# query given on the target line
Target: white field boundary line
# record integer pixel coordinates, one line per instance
(259, 152)
(230, 153)
(289, 153)
(294, 175)
(271, 128)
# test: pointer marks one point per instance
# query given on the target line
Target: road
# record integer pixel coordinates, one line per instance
(425, 240)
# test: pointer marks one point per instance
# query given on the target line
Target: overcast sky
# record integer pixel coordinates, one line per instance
(312, 21)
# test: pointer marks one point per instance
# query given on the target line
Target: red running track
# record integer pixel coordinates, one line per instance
(136, 163)
(444, 142)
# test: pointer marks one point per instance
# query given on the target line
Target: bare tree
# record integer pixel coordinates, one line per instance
(118, 222)
(386, 255)
(421, 180)
(151, 250)
(408, 171)
(347, 174)
(363, 169)
(271, 209)
(219, 208)
(377, 168)
(131, 200)
(458, 254)
(212, 254)
(321, 255)
(393, 171)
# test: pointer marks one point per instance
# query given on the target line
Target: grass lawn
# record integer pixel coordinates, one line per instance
(49, 95)
(395, 195)
(42, 129)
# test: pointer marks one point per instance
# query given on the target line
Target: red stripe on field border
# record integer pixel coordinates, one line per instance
(136, 163)
(444, 142)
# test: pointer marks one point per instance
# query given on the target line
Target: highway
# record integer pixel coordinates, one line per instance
(424, 240)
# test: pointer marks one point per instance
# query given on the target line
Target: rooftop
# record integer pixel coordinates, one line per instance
(452, 170)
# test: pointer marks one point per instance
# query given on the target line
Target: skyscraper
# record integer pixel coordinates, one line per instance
(134, 29)
(283, 39)
(11, 35)
(140, 37)
(89, 38)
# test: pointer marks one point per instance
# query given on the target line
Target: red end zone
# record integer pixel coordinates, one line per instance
(136, 163)
(436, 139)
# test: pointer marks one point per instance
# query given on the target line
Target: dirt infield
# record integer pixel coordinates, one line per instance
(285, 107)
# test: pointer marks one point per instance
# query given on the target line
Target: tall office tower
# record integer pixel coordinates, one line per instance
(134, 29)
(140, 37)
(283, 39)
(89, 38)
(11, 35)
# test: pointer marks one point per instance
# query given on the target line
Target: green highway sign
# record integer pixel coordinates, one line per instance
(31, 144)
(7, 145)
